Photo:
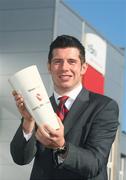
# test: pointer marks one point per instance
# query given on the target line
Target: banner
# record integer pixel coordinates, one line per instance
(95, 48)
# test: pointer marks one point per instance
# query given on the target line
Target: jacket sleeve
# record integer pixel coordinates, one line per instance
(89, 158)
(22, 151)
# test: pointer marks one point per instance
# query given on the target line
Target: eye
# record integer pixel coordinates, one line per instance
(56, 61)
(72, 61)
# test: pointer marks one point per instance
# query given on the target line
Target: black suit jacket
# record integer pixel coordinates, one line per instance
(90, 129)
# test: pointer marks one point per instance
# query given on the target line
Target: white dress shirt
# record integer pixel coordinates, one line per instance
(71, 94)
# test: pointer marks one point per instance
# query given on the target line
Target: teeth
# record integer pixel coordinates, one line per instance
(65, 75)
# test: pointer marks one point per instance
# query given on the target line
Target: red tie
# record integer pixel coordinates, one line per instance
(62, 110)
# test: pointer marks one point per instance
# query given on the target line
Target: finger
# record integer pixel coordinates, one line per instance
(43, 132)
(20, 105)
(42, 139)
(18, 96)
(53, 139)
(38, 134)
(49, 129)
(14, 93)
(60, 122)
(20, 102)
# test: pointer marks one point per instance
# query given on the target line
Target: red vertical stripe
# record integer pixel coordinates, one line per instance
(93, 80)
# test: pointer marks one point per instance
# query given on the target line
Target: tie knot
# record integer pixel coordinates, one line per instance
(63, 99)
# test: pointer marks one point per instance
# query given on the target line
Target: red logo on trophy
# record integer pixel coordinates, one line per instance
(38, 96)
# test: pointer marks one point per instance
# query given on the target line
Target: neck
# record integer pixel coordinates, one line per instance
(65, 91)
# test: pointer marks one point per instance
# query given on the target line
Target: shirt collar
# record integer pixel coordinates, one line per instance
(72, 94)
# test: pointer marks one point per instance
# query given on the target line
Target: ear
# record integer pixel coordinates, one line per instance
(84, 68)
(49, 68)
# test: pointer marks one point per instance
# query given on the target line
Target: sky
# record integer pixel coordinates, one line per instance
(109, 19)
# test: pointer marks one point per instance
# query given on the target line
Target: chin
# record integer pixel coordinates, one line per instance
(65, 85)
(66, 88)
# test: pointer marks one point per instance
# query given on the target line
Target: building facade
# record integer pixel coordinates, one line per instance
(26, 30)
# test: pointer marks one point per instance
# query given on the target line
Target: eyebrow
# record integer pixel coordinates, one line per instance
(63, 59)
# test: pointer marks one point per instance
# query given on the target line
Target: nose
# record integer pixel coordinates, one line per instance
(65, 65)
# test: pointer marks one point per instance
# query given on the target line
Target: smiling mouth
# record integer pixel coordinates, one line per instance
(65, 77)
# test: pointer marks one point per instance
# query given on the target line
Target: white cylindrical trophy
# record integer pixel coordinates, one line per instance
(29, 83)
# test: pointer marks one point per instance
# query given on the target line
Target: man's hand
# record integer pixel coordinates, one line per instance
(28, 123)
(50, 137)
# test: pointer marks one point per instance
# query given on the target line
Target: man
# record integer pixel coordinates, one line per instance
(79, 149)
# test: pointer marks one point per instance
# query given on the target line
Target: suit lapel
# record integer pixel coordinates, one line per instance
(53, 102)
(76, 109)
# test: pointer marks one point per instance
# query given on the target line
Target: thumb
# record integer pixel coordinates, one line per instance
(60, 122)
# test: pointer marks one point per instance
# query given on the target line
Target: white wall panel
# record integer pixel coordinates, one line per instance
(8, 129)
(24, 41)
(90, 29)
(5, 156)
(15, 172)
(48, 83)
(68, 22)
(13, 62)
(26, 19)
(8, 109)
(114, 76)
(123, 144)
(26, 30)
(5, 88)
(113, 89)
(115, 65)
(5, 112)
(18, 4)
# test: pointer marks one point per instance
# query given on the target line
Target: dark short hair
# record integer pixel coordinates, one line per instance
(65, 41)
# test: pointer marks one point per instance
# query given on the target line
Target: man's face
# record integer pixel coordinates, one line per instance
(66, 69)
